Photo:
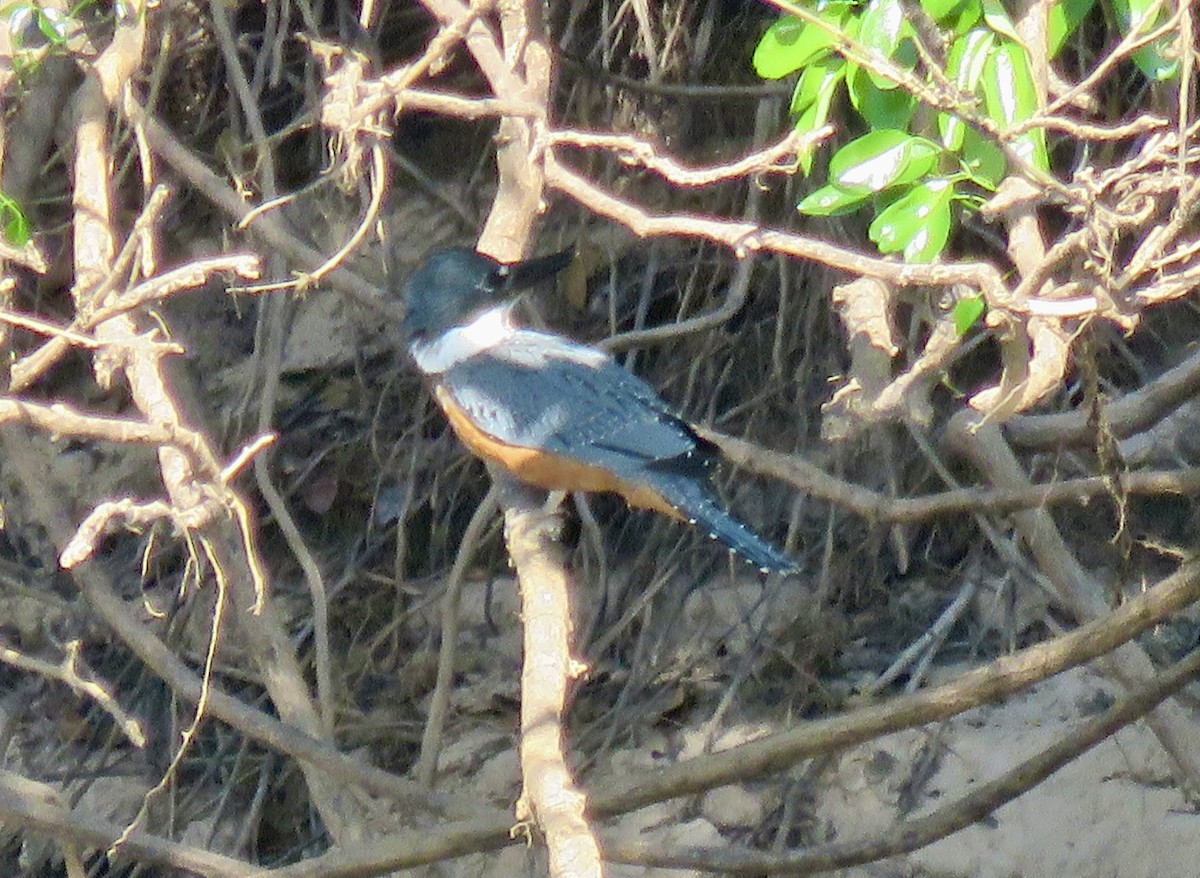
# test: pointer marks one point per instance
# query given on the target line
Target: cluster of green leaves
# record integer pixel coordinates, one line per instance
(913, 167)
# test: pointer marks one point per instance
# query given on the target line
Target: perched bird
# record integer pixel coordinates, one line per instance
(557, 414)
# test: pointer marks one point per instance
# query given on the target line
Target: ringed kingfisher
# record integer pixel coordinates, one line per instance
(554, 413)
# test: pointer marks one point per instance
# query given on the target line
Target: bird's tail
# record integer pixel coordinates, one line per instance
(695, 502)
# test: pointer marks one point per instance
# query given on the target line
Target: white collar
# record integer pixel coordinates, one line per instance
(491, 328)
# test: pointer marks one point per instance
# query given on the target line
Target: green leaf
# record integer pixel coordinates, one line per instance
(881, 27)
(956, 15)
(818, 78)
(8, 10)
(965, 17)
(967, 313)
(14, 221)
(790, 43)
(941, 9)
(813, 98)
(881, 108)
(53, 24)
(997, 19)
(882, 23)
(917, 223)
(968, 55)
(1063, 20)
(1156, 64)
(882, 158)
(1135, 16)
(774, 55)
(19, 17)
(1010, 98)
(830, 201)
(1157, 60)
(982, 159)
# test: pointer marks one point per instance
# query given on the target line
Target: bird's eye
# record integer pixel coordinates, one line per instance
(495, 280)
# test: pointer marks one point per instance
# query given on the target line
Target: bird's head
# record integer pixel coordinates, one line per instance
(454, 286)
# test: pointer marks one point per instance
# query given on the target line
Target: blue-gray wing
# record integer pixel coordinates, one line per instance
(571, 400)
(542, 391)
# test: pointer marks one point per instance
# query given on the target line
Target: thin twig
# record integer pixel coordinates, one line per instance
(267, 227)
(439, 702)
(634, 150)
(194, 274)
(73, 671)
(876, 506)
(929, 640)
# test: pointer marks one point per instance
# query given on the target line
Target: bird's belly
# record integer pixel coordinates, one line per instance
(544, 469)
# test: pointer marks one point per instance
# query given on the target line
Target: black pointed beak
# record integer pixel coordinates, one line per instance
(521, 275)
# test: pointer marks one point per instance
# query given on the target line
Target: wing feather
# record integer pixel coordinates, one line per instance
(543, 397)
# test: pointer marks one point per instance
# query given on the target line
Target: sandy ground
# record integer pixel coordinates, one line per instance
(1112, 813)
(1109, 814)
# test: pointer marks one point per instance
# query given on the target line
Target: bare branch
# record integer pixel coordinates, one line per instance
(20, 805)
(635, 151)
(73, 671)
